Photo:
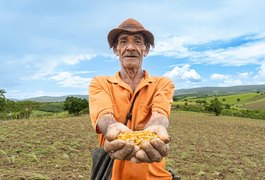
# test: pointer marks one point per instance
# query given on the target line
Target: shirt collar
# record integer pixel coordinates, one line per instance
(116, 78)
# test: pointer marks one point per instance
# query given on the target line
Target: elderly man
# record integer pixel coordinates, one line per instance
(110, 99)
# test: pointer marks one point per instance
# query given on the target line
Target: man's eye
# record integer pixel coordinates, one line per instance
(138, 41)
(122, 41)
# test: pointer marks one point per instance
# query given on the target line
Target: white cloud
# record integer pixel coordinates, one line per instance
(178, 47)
(173, 46)
(250, 53)
(67, 79)
(245, 74)
(75, 59)
(184, 73)
(46, 66)
(228, 80)
(244, 78)
(217, 76)
(231, 82)
(85, 72)
(260, 76)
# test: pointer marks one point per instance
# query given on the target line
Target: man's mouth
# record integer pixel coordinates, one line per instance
(131, 56)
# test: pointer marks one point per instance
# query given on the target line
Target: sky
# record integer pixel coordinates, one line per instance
(55, 47)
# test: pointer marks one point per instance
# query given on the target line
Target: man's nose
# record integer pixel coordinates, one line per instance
(130, 47)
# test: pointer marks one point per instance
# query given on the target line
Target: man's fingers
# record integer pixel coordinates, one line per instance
(151, 152)
(163, 135)
(132, 154)
(142, 156)
(112, 134)
(114, 129)
(161, 131)
(135, 160)
(122, 153)
(165, 138)
(111, 146)
(160, 146)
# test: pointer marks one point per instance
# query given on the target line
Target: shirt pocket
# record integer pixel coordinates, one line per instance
(143, 115)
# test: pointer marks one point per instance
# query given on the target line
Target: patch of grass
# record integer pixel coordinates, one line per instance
(37, 176)
(239, 98)
(2, 139)
(32, 157)
(4, 157)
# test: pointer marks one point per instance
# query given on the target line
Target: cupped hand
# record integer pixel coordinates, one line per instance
(117, 148)
(114, 129)
(157, 148)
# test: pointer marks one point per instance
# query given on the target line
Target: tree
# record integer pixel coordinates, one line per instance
(2, 99)
(200, 101)
(25, 108)
(215, 106)
(227, 106)
(74, 105)
(2, 104)
(2, 92)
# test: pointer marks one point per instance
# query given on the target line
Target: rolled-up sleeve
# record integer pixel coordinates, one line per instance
(163, 97)
(99, 102)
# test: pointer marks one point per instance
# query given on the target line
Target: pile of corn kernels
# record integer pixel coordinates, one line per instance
(138, 137)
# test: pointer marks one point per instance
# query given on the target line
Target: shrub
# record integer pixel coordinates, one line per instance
(255, 114)
(74, 105)
(215, 106)
(52, 107)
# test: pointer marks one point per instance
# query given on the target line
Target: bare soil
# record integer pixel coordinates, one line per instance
(203, 147)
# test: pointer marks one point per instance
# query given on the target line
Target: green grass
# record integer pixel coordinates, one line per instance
(47, 115)
(233, 99)
(251, 101)
(203, 147)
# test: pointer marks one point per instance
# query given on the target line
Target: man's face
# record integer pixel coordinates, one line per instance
(131, 49)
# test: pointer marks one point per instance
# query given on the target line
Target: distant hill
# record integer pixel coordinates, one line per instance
(220, 90)
(53, 98)
(191, 91)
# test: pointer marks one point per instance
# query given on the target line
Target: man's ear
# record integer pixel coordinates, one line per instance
(115, 50)
(147, 49)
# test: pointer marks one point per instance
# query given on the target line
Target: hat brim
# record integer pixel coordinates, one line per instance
(113, 34)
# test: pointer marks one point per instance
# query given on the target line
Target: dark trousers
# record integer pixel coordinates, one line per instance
(176, 178)
(173, 175)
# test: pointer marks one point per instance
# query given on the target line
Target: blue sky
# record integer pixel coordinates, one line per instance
(52, 47)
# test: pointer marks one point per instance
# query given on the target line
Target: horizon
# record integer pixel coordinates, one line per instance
(54, 49)
(55, 96)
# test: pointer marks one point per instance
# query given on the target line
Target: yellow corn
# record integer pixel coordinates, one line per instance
(137, 136)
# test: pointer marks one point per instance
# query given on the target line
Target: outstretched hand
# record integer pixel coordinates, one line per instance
(118, 149)
(150, 151)
(157, 148)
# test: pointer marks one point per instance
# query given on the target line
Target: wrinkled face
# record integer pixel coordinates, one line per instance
(131, 49)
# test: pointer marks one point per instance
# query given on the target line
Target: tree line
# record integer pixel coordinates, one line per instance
(23, 109)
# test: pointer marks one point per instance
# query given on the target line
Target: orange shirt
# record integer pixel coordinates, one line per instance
(109, 94)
